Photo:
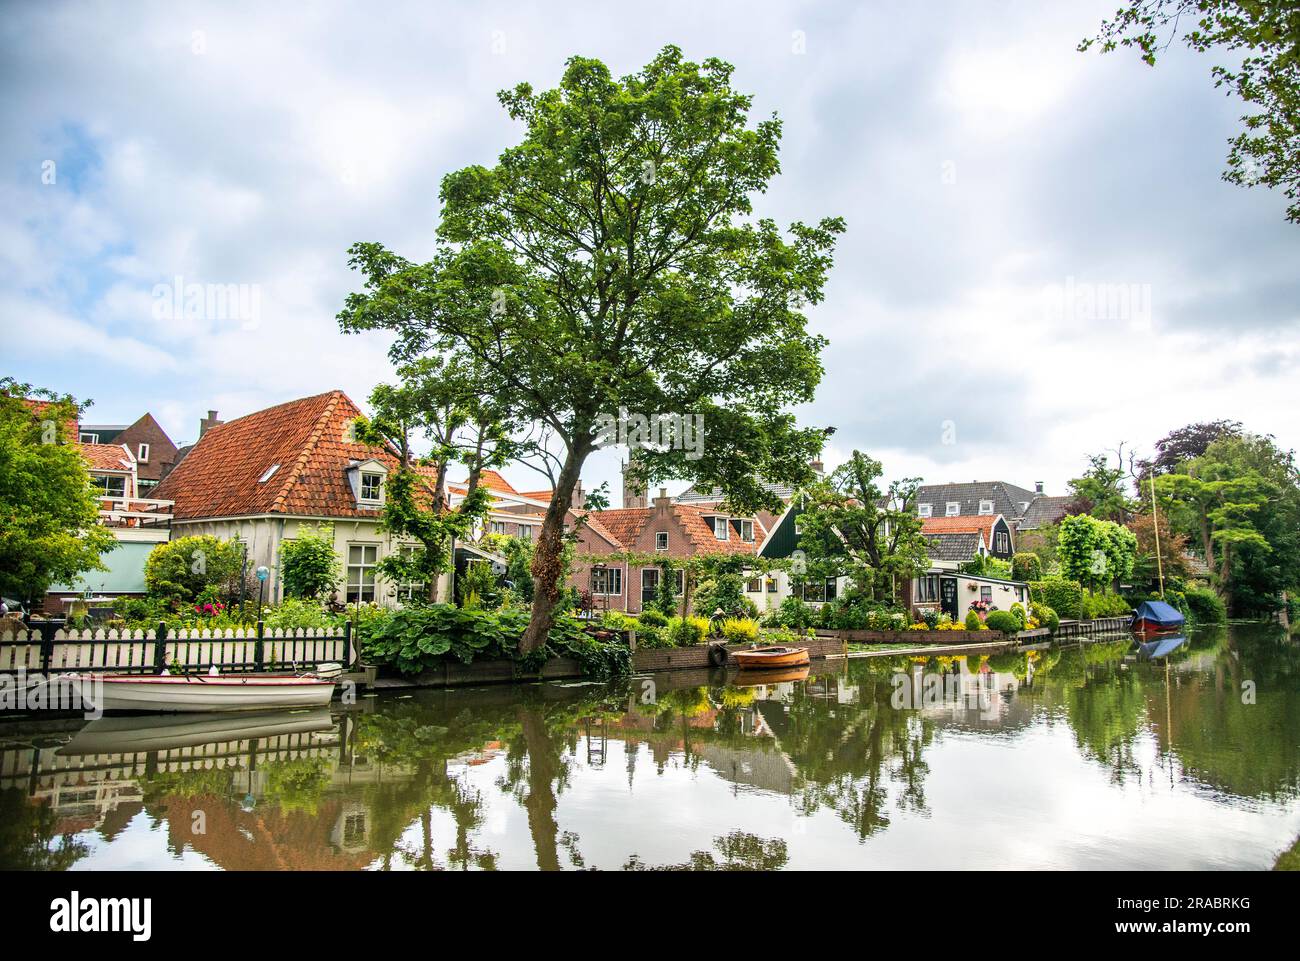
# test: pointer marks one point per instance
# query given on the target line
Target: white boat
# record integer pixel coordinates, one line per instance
(143, 734)
(193, 692)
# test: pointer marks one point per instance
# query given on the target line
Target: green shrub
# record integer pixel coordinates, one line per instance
(651, 617)
(1018, 611)
(739, 630)
(1026, 567)
(1046, 616)
(1062, 595)
(1003, 621)
(308, 565)
(794, 614)
(687, 631)
(653, 637)
(183, 569)
(293, 613)
(1205, 605)
(973, 622)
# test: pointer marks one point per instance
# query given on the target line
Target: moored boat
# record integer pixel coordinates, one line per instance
(225, 692)
(1157, 617)
(766, 658)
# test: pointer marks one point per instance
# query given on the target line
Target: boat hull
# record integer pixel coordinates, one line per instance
(771, 658)
(1143, 626)
(155, 694)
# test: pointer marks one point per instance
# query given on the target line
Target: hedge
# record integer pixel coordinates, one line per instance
(1061, 595)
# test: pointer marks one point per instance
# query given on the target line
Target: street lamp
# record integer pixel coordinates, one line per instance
(262, 574)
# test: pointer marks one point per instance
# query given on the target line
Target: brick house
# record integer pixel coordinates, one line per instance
(666, 527)
(148, 443)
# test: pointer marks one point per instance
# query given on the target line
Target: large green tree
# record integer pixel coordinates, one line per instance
(1102, 489)
(1240, 504)
(1260, 42)
(852, 526)
(49, 517)
(611, 262)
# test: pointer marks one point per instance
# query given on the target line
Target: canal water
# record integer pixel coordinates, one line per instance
(1088, 756)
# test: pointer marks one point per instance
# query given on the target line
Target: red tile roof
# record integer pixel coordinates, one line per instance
(494, 482)
(221, 476)
(625, 525)
(545, 495)
(113, 457)
(981, 524)
(71, 426)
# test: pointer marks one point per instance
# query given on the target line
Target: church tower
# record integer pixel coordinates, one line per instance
(636, 491)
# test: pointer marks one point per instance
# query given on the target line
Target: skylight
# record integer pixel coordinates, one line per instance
(270, 472)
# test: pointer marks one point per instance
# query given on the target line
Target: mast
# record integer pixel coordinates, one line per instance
(1155, 529)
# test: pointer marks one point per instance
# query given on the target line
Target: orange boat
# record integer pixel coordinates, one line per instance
(766, 658)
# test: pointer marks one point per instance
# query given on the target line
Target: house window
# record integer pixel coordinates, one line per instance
(924, 510)
(927, 589)
(720, 528)
(820, 590)
(372, 487)
(986, 507)
(986, 593)
(661, 540)
(362, 559)
(607, 580)
(754, 585)
(111, 485)
(408, 590)
(526, 531)
(88, 438)
(953, 508)
(496, 527)
(650, 584)
(771, 585)
(798, 527)
(270, 472)
(746, 529)
(142, 453)
(1003, 542)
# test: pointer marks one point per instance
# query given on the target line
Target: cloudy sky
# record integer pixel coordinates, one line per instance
(1041, 260)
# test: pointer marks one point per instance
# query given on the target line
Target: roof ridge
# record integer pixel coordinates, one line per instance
(305, 453)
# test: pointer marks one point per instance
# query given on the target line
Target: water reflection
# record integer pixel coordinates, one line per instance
(1094, 755)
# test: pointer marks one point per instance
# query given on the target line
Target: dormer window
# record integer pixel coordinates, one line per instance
(986, 507)
(367, 481)
(953, 508)
(720, 528)
(372, 487)
(924, 510)
(746, 531)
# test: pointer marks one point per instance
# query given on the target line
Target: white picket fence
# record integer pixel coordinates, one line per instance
(137, 650)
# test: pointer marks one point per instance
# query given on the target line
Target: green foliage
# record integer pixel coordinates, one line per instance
(687, 631)
(1096, 552)
(1018, 612)
(1003, 621)
(739, 630)
(295, 613)
(1258, 41)
(973, 622)
(49, 516)
(856, 611)
(478, 586)
(793, 613)
(986, 565)
(625, 208)
(182, 569)
(1205, 605)
(1101, 490)
(723, 589)
(1064, 596)
(851, 526)
(1045, 616)
(309, 567)
(651, 617)
(1094, 606)
(1026, 566)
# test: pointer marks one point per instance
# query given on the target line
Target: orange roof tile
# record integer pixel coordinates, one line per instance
(980, 524)
(113, 457)
(304, 440)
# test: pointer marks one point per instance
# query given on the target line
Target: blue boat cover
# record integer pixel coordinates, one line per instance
(1163, 647)
(1158, 612)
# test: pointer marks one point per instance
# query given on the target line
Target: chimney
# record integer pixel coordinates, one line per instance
(577, 494)
(207, 422)
(1038, 487)
(663, 501)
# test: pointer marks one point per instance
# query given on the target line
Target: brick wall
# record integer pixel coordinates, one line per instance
(674, 658)
(914, 637)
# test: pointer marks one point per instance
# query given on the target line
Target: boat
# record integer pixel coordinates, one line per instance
(156, 693)
(768, 658)
(779, 675)
(1157, 617)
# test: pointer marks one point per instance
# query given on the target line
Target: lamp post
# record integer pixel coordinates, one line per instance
(262, 574)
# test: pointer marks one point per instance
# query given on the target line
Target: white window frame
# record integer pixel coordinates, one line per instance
(923, 594)
(526, 531)
(361, 568)
(378, 497)
(142, 453)
(747, 531)
(81, 438)
(602, 577)
(1003, 541)
(107, 479)
(661, 541)
(407, 590)
(952, 509)
(721, 524)
(986, 507)
(924, 510)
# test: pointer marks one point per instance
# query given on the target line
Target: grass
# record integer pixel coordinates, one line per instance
(1289, 860)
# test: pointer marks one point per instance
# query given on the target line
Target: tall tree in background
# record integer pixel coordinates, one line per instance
(1260, 39)
(1240, 502)
(443, 402)
(49, 516)
(1101, 490)
(851, 527)
(611, 262)
(1186, 443)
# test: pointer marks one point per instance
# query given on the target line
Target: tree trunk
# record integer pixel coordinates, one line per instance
(547, 557)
